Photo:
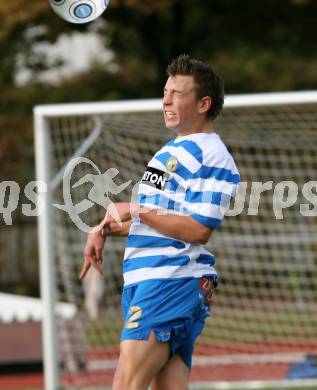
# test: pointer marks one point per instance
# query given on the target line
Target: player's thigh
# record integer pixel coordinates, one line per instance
(174, 375)
(139, 362)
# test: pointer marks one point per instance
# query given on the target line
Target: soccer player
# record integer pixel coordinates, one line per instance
(169, 276)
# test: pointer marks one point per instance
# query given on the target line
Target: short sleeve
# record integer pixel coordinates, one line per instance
(210, 189)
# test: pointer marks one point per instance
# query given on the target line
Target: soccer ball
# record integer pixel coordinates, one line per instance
(79, 11)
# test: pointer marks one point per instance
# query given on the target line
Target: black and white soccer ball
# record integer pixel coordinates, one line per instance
(79, 11)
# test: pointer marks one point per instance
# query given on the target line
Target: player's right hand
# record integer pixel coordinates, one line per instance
(93, 252)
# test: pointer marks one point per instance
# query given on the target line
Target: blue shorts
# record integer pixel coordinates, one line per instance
(175, 309)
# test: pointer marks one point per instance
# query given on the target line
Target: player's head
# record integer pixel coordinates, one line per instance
(194, 90)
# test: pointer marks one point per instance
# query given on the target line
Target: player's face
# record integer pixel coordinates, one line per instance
(180, 105)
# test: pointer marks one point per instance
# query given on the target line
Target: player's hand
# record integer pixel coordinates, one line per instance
(93, 252)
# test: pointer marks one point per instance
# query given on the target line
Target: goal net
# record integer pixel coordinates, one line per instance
(264, 322)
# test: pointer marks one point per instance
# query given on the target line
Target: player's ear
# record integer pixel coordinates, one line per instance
(204, 104)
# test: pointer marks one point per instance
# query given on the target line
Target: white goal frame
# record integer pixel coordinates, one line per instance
(45, 231)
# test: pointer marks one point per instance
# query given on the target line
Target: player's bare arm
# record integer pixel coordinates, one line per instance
(113, 229)
(180, 227)
(96, 242)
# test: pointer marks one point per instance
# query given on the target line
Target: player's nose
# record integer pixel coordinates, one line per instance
(167, 99)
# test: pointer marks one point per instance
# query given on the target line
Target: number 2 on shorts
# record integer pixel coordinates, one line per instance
(135, 312)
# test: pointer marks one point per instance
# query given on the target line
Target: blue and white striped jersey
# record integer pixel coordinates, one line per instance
(192, 175)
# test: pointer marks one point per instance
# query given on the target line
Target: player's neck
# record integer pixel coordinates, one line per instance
(204, 127)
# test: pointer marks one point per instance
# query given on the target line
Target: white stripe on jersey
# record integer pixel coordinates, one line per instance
(215, 185)
(167, 272)
(168, 251)
(205, 209)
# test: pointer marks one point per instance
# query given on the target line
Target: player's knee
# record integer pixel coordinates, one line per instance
(169, 384)
(174, 375)
(117, 381)
(123, 375)
(124, 381)
(126, 376)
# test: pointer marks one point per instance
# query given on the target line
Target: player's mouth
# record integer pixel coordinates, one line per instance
(170, 114)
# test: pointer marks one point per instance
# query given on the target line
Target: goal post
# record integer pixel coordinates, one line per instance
(264, 324)
(46, 256)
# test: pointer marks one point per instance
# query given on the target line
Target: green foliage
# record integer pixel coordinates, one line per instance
(257, 46)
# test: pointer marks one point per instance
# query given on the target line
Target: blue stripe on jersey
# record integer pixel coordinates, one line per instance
(152, 199)
(153, 261)
(206, 221)
(218, 173)
(213, 197)
(204, 172)
(141, 241)
(191, 147)
(173, 185)
(206, 259)
(172, 205)
(159, 200)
